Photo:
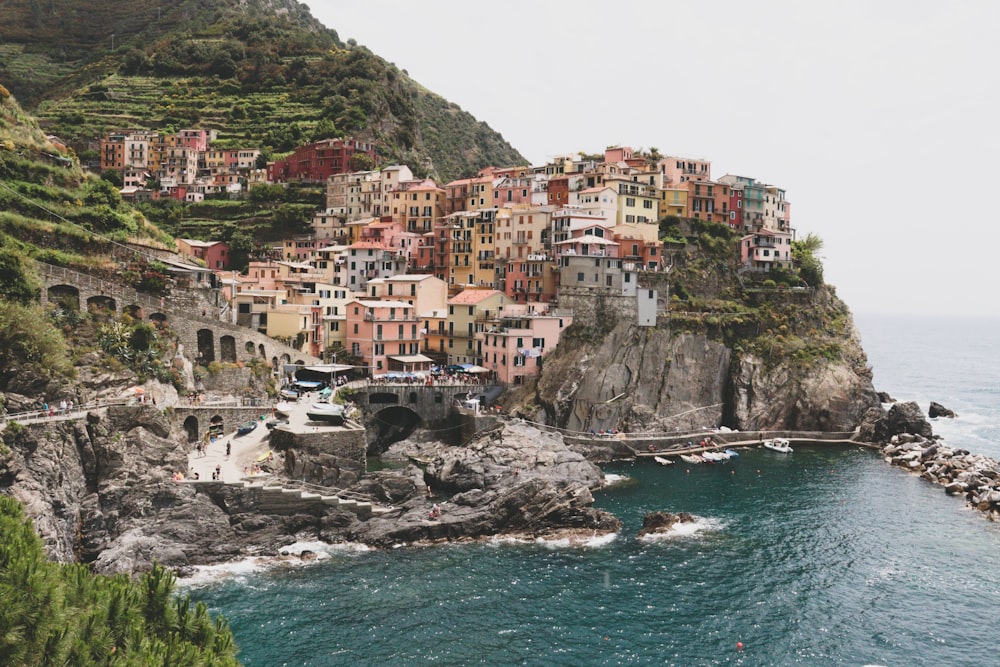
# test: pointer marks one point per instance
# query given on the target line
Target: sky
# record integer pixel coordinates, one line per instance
(878, 118)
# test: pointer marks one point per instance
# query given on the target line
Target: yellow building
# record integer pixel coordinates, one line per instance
(467, 313)
(674, 201)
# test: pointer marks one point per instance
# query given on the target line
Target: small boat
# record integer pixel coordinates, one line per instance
(663, 461)
(332, 413)
(283, 409)
(246, 427)
(778, 445)
(733, 454)
(714, 456)
(692, 458)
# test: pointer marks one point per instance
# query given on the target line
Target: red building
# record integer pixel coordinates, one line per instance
(736, 207)
(318, 161)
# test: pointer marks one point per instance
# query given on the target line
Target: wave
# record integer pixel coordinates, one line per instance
(612, 479)
(566, 540)
(687, 529)
(289, 556)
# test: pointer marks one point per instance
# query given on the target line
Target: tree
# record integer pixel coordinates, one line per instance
(805, 254)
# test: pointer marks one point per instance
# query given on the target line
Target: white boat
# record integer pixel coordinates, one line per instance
(663, 461)
(778, 445)
(714, 456)
(332, 413)
(692, 458)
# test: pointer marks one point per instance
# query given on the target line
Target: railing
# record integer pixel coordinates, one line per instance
(54, 413)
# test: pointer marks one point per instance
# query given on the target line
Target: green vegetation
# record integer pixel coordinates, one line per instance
(261, 78)
(805, 253)
(140, 347)
(55, 614)
(30, 345)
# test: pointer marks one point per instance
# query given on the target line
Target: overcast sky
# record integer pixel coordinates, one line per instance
(878, 118)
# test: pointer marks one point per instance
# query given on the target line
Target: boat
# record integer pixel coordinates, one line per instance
(332, 413)
(714, 456)
(778, 445)
(733, 454)
(663, 461)
(692, 458)
(246, 427)
(283, 409)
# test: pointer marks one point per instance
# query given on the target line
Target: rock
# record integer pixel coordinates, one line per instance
(884, 397)
(955, 488)
(937, 410)
(663, 522)
(907, 418)
(307, 555)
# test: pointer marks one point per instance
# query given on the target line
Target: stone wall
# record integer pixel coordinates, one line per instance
(330, 457)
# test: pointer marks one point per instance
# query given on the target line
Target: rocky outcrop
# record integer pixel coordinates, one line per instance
(937, 410)
(658, 523)
(640, 379)
(514, 480)
(101, 491)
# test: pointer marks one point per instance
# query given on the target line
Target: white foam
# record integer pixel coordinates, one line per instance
(686, 529)
(610, 479)
(240, 570)
(593, 541)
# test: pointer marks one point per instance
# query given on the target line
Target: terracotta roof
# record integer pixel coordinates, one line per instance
(471, 297)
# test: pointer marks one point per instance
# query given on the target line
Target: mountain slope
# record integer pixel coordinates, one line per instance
(261, 73)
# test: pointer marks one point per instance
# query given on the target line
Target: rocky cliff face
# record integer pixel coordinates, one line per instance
(812, 377)
(100, 491)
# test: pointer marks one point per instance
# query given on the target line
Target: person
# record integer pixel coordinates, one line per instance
(218, 471)
(229, 448)
(428, 487)
(196, 475)
(201, 450)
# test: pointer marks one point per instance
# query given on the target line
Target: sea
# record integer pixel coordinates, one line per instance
(826, 556)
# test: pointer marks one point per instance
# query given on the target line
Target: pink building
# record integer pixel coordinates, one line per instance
(766, 248)
(532, 279)
(514, 344)
(215, 254)
(386, 334)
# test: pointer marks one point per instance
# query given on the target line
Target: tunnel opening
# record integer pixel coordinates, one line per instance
(390, 425)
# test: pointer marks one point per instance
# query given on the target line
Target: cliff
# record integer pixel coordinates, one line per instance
(734, 352)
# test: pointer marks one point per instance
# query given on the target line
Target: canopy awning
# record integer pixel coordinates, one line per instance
(411, 359)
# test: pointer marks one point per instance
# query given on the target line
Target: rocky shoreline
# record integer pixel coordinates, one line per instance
(911, 444)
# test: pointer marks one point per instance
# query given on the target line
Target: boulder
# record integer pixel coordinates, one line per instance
(937, 410)
(663, 522)
(884, 397)
(907, 418)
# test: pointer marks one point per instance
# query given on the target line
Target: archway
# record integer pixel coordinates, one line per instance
(227, 349)
(249, 347)
(206, 346)
(65, 296)
(262, 351)
(158, 319)
(383, 398)
(134, 311)
(285, 359)
(274, 363)
(102, 302)
(191, 428)
(216, 426)
(390, 425)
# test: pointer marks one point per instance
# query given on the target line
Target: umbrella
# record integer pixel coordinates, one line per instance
(477, 369)
(139, 390)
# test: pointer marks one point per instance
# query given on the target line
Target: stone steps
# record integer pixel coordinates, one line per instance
(278, 498)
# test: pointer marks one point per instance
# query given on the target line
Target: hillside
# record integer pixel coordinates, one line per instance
(264, 74)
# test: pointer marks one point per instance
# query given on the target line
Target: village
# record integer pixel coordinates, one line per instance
(401, 274)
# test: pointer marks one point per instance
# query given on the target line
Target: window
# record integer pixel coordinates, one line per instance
(355, 327)
(579, 277)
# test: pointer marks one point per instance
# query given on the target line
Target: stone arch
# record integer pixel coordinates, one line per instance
(249, 347)
(206, 346)
(191, 428)
(102, 302)
(391, 424)
(274, 363)
(134, 311)
(227, 349)
(66, 296)
(285, 359)
(262, 351)
(158, 319)
(217, 426)
(383, 398)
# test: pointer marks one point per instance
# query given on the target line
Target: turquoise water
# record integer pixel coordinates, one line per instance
(825, 557)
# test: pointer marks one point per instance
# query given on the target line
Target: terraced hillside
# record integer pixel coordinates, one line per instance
(264, 73)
